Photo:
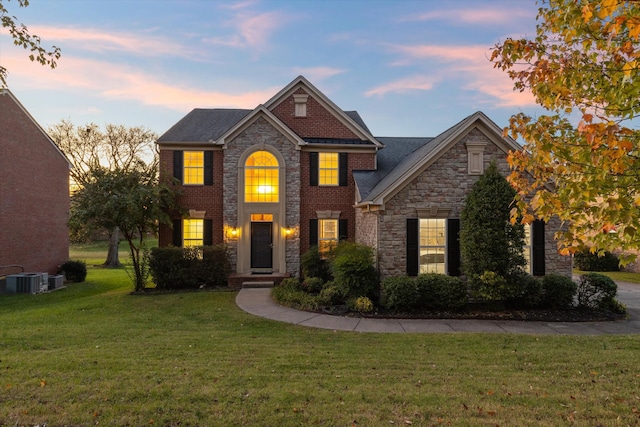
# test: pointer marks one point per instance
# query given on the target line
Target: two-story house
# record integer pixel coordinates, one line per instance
(299, 171)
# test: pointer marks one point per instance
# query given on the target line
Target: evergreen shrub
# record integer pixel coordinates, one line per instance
(596, 291)
(353, 270)
(399, 294)
(587, 261)
(558, 292)
(440, 292)
(74, 271)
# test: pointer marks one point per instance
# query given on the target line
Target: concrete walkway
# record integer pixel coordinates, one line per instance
(258, 301)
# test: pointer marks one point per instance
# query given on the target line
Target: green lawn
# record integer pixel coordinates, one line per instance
(95, 354)
(620, 276)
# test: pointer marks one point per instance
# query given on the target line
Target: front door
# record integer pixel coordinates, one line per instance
(262, 245)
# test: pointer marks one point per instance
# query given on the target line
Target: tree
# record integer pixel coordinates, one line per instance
(130, 199)
(31, 42)
(90, 149)
(580, 161)
(489, 242)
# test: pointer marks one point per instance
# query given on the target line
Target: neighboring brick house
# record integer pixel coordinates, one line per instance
(299, 171)
(34, 194)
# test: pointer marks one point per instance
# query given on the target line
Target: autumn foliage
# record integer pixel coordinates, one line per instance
(580, 160)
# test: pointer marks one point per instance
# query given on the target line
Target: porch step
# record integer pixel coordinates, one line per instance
(256, 284)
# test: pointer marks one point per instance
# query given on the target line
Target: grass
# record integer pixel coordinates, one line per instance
(95, 354)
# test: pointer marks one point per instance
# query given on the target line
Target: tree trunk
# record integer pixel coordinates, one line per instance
(113, 259)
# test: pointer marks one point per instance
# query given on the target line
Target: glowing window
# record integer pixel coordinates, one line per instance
(327, 235)
(328, 168)
(193, 232)
(194, 167)
(261, 178)
(432, 245)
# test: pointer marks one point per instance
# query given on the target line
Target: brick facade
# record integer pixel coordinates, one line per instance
(440, 182)
(34, 194)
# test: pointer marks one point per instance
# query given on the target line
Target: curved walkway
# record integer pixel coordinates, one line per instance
(258, 301)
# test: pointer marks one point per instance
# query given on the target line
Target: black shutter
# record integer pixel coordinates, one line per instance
(313, 232)
(343, 169)
(343, 229)
(208, 168)
(177, 165)
(207, 232)
(177, 233)
(453, 247)
(313, 169)
(413, 248)
(537, 245)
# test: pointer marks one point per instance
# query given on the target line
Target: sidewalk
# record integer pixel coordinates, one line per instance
(257, 301)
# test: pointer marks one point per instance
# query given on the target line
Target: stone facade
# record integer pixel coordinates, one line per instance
(443, 185)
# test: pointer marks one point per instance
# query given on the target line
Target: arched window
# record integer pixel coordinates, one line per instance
(261, 178)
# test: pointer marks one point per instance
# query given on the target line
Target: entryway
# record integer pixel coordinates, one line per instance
(261, 246)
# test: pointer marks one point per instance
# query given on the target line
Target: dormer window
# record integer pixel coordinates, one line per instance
(301, 104)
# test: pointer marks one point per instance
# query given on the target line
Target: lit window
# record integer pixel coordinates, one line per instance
(194, 167)
(328, 168)
(327, 235)
(193, 232)
(432, 245)
(526, 250)
(261, 178)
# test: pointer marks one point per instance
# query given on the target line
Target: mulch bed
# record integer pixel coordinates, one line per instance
(479, 313)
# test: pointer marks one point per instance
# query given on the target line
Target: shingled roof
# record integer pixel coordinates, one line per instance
(208, 124)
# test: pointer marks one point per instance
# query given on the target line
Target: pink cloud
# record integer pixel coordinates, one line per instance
(474, 16)
(113, 81)
(252, 30)
(468, 65)
(403, 85)
(93, 40)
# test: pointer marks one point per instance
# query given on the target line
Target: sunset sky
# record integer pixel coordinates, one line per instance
(410, 68)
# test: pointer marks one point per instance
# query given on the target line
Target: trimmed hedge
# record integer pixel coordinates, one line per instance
(596, 291)
(399, 294)
(587, 261)
(440, 292)
(190, 268)
(558, 292)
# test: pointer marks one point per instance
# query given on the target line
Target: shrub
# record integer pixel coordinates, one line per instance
(527, 291)
(314, 266)
(331, 294)
(353, 270)
(596, 291)
(312, 285)
(363, 305)
(558, 292)
(488, 240)
(491, 286)
(587, 261)
(288, 293)
(440, 292)
(189, 268)
(74, 271)
(399, 294)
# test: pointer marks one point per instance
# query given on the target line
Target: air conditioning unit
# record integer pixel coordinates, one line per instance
(24, 283)
(56, 281)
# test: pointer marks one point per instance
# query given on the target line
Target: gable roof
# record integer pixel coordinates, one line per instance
(11, 96)
(205, 126)
(389, 181)
(351, 120)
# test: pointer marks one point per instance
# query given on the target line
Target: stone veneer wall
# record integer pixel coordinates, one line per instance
(445, 185)
(261, 132)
